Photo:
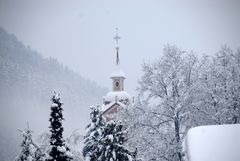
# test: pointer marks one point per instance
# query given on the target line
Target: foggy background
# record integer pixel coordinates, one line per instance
(80, 33)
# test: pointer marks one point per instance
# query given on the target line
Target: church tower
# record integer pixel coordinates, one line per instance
(117, 98)
(117, 76)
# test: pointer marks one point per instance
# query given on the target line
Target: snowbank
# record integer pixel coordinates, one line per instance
(213, 143)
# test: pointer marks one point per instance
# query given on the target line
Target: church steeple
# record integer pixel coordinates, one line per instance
(117, 75)
(117, 98)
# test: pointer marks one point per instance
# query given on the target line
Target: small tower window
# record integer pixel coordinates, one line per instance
(117, 84)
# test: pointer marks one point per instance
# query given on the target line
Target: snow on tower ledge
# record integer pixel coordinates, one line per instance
(117, 96)
(117, 72)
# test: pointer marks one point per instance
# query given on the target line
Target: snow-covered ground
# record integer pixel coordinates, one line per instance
(213, 143)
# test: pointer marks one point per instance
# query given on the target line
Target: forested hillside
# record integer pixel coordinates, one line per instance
(27, 81)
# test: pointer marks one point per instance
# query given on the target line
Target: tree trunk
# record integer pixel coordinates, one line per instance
(177, 136)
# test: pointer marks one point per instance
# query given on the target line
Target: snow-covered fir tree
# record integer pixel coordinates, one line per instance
(29, 150)
(59, 151)
(39, 155)
(93, 135)
(112, 143)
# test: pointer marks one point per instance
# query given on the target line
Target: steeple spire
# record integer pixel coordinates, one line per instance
(117, 47)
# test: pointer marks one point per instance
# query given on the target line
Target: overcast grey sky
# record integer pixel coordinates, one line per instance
(80, 33)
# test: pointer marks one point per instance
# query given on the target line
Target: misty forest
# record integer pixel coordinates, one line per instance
(182, 105)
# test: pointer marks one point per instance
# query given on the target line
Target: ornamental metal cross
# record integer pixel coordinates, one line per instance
(117, 37)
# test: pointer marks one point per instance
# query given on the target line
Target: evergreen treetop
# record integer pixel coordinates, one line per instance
(93, 134)
(59, 151)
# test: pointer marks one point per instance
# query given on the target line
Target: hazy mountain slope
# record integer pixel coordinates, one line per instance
(27, 81)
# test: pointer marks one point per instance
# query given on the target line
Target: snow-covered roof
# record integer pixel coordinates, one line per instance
(213, 143)
(117, 72)
(119, 95)
(115, 97)
(105, 107)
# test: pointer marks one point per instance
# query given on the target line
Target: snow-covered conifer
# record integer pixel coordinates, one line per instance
(93, 134)
(59, 151)
(112, 148)
(39, 155)
(27, 149)
(30, 151)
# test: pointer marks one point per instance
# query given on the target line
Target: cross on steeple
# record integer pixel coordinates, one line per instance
(116, 36)
(117, 47)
